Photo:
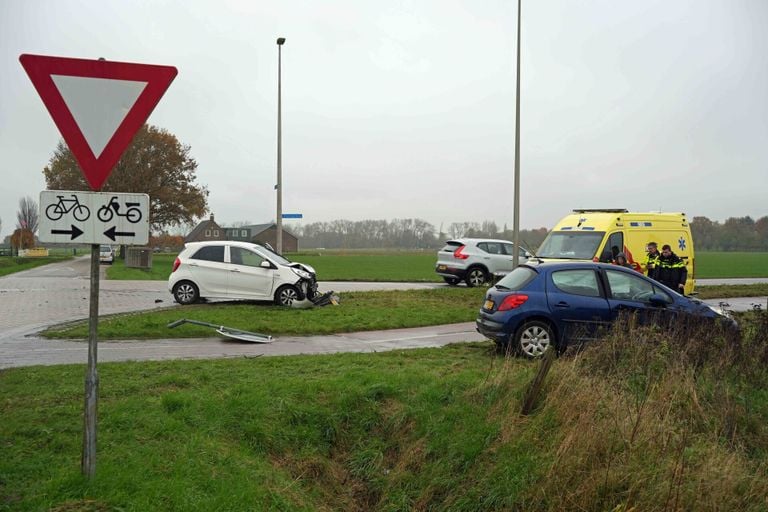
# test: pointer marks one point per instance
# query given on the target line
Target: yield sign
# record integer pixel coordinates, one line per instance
(97, 105)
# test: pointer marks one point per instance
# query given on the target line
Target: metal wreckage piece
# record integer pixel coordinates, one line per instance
(228, 332)
(320, 299)
(323, 299)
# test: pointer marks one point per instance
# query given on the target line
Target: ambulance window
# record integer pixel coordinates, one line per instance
(614, 246)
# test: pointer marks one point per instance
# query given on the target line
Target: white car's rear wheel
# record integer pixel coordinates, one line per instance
(185, 292)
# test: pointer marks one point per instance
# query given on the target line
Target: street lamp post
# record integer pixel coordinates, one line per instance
(280, 42)
(516, 224)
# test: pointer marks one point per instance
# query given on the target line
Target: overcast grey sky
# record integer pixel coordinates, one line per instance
(397, 109)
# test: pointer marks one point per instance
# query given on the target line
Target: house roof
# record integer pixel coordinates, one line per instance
(260, 228)
(200, 228)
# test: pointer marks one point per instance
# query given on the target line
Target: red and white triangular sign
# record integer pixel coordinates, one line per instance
(97, 105)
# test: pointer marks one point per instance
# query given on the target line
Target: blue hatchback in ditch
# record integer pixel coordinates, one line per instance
(561, 303)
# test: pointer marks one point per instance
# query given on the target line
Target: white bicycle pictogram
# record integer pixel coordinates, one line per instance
(57, 210)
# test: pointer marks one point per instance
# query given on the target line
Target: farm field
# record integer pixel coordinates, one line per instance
(418, 266)
(731, 264)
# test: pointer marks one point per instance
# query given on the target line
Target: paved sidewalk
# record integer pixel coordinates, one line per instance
(36, 351)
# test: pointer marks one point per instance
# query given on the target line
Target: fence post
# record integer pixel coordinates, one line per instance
(534, 389)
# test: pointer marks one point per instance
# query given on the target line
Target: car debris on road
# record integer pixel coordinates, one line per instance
(228, 332)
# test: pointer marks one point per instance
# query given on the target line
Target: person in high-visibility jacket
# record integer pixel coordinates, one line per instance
(651, 263)
(671, 270)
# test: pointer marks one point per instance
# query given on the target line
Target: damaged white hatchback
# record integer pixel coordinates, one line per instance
(238, 271)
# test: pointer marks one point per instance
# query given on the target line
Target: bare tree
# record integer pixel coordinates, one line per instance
(27, 216)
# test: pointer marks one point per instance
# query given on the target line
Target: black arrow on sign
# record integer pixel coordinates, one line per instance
(111, 233)
(74, 232)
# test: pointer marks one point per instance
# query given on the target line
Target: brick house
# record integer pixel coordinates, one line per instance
(267, 234)
(257, 233)
(205, 231)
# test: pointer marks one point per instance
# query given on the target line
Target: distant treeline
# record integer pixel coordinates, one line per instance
(735, 234)
(402, 234)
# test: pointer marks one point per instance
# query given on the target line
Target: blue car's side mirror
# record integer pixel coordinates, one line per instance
(658, 300)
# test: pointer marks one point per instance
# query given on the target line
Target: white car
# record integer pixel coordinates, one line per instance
(239, 271)
(475, 260)
(106, 254)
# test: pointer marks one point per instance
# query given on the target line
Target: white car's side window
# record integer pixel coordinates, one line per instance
(210, 253)
(240, 256)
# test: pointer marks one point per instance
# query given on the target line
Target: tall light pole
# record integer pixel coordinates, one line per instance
(516, 222)
(280, 42)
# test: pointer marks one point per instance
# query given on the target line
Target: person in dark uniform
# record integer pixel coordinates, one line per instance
(671, 270)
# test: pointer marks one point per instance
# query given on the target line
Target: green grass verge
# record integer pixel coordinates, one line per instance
(634, 423)
(161, 268)
(12, 264)
(358, 311)
(728, 291)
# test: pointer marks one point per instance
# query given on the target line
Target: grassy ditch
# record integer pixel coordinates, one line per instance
(358, 311)
(646, 420)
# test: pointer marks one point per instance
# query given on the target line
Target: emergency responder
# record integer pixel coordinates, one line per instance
(651, 260)
(621, 260)
(671, 270)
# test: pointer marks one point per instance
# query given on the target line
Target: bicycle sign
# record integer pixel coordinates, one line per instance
(57, 210)
(119, 218)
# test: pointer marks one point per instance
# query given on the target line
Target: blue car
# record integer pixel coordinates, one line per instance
(562, 303)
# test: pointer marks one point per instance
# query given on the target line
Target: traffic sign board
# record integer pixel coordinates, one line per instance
(77, 217)
(292, 215)
(97, 105)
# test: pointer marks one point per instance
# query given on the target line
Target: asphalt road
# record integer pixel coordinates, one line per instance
(37, 298)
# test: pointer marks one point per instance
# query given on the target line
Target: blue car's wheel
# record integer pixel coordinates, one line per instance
(533, 338)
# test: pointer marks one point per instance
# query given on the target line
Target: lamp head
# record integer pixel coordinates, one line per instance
(280, 41)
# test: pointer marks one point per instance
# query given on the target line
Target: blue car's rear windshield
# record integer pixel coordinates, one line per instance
(518, 278)
(568, 245)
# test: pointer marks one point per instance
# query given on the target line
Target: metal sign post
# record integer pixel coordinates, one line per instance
(98, 107)
(88, 461)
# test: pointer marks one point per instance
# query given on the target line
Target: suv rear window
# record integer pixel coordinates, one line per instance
(451, 246)
(210, 253)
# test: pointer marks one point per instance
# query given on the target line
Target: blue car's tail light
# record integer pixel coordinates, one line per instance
(512, 301)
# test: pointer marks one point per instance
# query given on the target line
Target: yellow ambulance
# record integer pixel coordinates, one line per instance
(600, 234)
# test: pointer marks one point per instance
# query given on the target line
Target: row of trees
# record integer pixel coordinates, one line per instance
(735, 234)
(402, 234)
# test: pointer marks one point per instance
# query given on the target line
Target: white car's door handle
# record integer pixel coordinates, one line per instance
(234, 270)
